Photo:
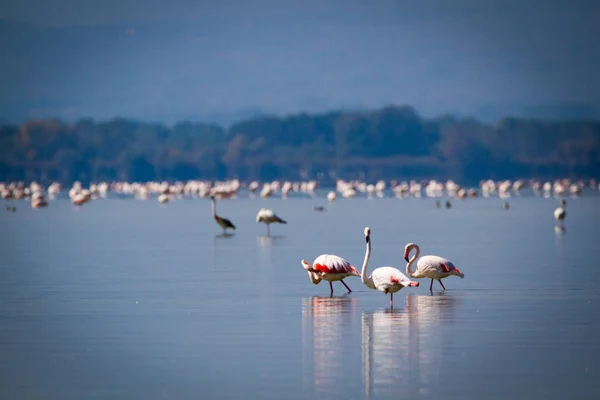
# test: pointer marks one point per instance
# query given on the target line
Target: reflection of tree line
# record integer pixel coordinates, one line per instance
(399, 347)
(384, 143)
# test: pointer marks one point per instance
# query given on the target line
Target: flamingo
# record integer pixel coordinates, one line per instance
(432, 267)
(331, 196)
(385, 279)
(223, 222)
(163, 198)
(329, 268)
(268, 217)
(560, 213)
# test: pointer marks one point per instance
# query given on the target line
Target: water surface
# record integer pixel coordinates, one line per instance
(126, 299)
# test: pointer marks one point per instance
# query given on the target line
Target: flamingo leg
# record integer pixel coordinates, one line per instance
(269, 234)
(391, 300)
(440, 281)
(431, 285)
(331, 287)
(344, 283)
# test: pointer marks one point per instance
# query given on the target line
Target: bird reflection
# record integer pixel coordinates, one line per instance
(326, 344)
(401, 348)
(224, 235)
(268, 240)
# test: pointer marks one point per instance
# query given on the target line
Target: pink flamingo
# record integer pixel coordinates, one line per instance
(330, 268)
(432, 267)
(385, 279)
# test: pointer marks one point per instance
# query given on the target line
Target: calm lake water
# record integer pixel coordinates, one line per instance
(126, 299)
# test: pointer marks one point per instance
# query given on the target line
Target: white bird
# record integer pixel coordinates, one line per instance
(268, 217)
(329, 268)
(385, 279)
(432, 267)
(331, 196)
(163, 198)
(560, 213)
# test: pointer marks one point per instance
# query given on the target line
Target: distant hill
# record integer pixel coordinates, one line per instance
(393, 142)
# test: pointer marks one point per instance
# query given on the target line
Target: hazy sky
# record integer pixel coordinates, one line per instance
(172, 59)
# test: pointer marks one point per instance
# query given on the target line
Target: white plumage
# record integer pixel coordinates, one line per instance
(330, 268)
(560, 213)
(268, 217)
(431, 267)
(385, 279)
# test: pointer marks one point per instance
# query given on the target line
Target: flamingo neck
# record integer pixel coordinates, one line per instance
(314, 277)
(409, 270)
(214, 207)
(367, 280)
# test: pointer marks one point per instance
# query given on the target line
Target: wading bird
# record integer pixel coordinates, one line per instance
(223, 222)
(329, 268)
(268, 217)
(561, 212)
(432, 267)
(385, 279)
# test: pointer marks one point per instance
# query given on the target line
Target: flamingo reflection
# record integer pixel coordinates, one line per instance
(326, 342)
(401, 348)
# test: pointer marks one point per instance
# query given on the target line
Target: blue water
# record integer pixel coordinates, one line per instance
(127, 299)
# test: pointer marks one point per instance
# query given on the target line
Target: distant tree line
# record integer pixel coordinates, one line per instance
(389, 143)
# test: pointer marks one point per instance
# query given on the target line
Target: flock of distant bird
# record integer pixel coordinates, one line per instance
(166, 192)
(388, 280)
(229, 189)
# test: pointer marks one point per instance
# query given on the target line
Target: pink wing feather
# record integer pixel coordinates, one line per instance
(329, 263)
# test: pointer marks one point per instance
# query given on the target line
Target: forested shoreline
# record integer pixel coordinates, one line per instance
(393, 142)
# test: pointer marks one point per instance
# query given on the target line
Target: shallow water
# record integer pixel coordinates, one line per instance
(127, 299)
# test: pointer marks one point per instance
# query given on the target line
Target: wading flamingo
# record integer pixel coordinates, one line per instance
(223, 222)
(330, 268)
(268, 217)
(385, 279)
(561, 212)
(432, 267)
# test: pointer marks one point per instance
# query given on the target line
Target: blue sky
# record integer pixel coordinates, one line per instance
(221, 60)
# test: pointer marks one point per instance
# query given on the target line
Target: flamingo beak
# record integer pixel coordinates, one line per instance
(413, 284)
(406, 258)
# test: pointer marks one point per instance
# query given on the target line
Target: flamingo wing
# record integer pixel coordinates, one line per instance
(385, 277)
(332, 264)
(266, 213)
(434, 264)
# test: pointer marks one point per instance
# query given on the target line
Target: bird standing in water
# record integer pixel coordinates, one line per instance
(432, 267)
(329, 268)
(561, 212)
(223, 222)
(385, 279)
(268, 217)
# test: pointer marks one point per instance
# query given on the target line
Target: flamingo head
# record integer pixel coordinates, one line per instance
(409, 283)
(367, 234)
(407, 250)
(306, 265)
(458, 273)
